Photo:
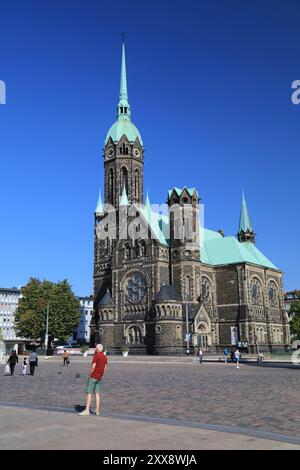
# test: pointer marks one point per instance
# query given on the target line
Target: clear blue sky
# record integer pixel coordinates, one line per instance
(209, 85)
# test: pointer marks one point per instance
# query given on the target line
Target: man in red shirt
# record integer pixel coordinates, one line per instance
(97, 371)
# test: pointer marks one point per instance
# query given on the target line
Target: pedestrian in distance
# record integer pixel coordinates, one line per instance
(12, 361)
(24, 369)
(66, 357)
(96, 374)
(237, 356)
(200, 355)
(225, 352)
(260, 358)
(33, 362)
(232, 355)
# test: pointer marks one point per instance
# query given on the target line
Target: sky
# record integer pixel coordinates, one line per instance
(209, 85)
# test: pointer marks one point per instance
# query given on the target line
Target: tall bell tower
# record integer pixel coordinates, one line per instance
(123, 152)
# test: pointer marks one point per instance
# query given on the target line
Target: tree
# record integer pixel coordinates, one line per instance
(1, 335)
(295, 322)
(30, 317)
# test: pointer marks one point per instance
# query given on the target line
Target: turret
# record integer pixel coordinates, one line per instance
(245, 232)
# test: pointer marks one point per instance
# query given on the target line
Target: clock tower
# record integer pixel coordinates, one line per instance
(123, 152)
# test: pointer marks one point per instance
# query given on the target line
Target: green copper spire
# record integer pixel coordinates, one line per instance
(124, 198)
(147, 202)
(99, 208)
(123, 106)
(245, 232)
(123, 124)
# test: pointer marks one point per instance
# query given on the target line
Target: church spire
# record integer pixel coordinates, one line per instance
(124, 198)
(99, 208)
(123, 105)
(245, 232)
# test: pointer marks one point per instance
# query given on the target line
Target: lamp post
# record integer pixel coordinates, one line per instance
(46, 335)
(187, 334)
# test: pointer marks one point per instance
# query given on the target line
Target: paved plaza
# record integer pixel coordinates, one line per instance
(256, 400)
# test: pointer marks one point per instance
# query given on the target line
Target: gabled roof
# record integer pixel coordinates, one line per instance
(167, 292)
(179, 191)
(228, 250)
(156, 222)
(214, 248)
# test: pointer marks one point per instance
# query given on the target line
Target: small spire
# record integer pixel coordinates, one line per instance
(123, 106)
(99, 207)
(245, 232)
(124, 198)
(147, 202)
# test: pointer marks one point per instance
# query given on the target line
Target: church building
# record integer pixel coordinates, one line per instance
(167, 285)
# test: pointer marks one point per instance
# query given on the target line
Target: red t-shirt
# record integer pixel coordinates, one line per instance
(100, 360)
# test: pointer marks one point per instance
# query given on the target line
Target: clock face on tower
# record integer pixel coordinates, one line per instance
(110, 153)
(137, 153)
(136, 288)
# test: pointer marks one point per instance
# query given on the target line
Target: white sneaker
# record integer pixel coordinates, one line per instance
(237, 367)
(84, 413)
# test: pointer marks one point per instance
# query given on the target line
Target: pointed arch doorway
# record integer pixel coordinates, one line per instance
(202, 337)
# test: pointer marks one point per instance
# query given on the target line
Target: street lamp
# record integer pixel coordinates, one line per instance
(187, 334)
(46, 335)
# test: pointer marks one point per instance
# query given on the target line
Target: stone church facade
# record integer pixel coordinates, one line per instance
(164, 283)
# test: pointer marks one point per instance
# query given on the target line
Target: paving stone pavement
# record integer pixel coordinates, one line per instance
(250, 397)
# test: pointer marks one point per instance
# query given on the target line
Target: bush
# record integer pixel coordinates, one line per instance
(124, 348)
(83, 349)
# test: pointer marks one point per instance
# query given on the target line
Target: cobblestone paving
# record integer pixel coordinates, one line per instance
(257, 398)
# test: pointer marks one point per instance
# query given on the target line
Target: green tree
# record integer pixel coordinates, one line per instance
(30, 317)
(295, 322)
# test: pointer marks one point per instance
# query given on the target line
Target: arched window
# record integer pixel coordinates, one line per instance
(123, 149)
(136, 184)
(272, 292)
(262, 335)
(124, 179)
(188, 285)
(126, 250)
(141, 248)
(255, 291)
(134, 335)
(205, 291)
(111, 186)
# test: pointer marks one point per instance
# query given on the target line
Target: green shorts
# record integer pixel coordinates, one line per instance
(93, 386)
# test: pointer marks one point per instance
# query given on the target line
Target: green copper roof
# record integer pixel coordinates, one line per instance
(147, 203)
(179, 191)
(123, 125)
(228, 250)
(245, 220)
(214, 248)
(124, 198)
(99, 207)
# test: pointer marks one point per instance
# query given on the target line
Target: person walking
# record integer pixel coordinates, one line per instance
(237, 356)
(66, 356)
(24, 369)
(95, 377)
(225, 352)
(12, 361)
(200, 355)
(33, 362)
(260, 358)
